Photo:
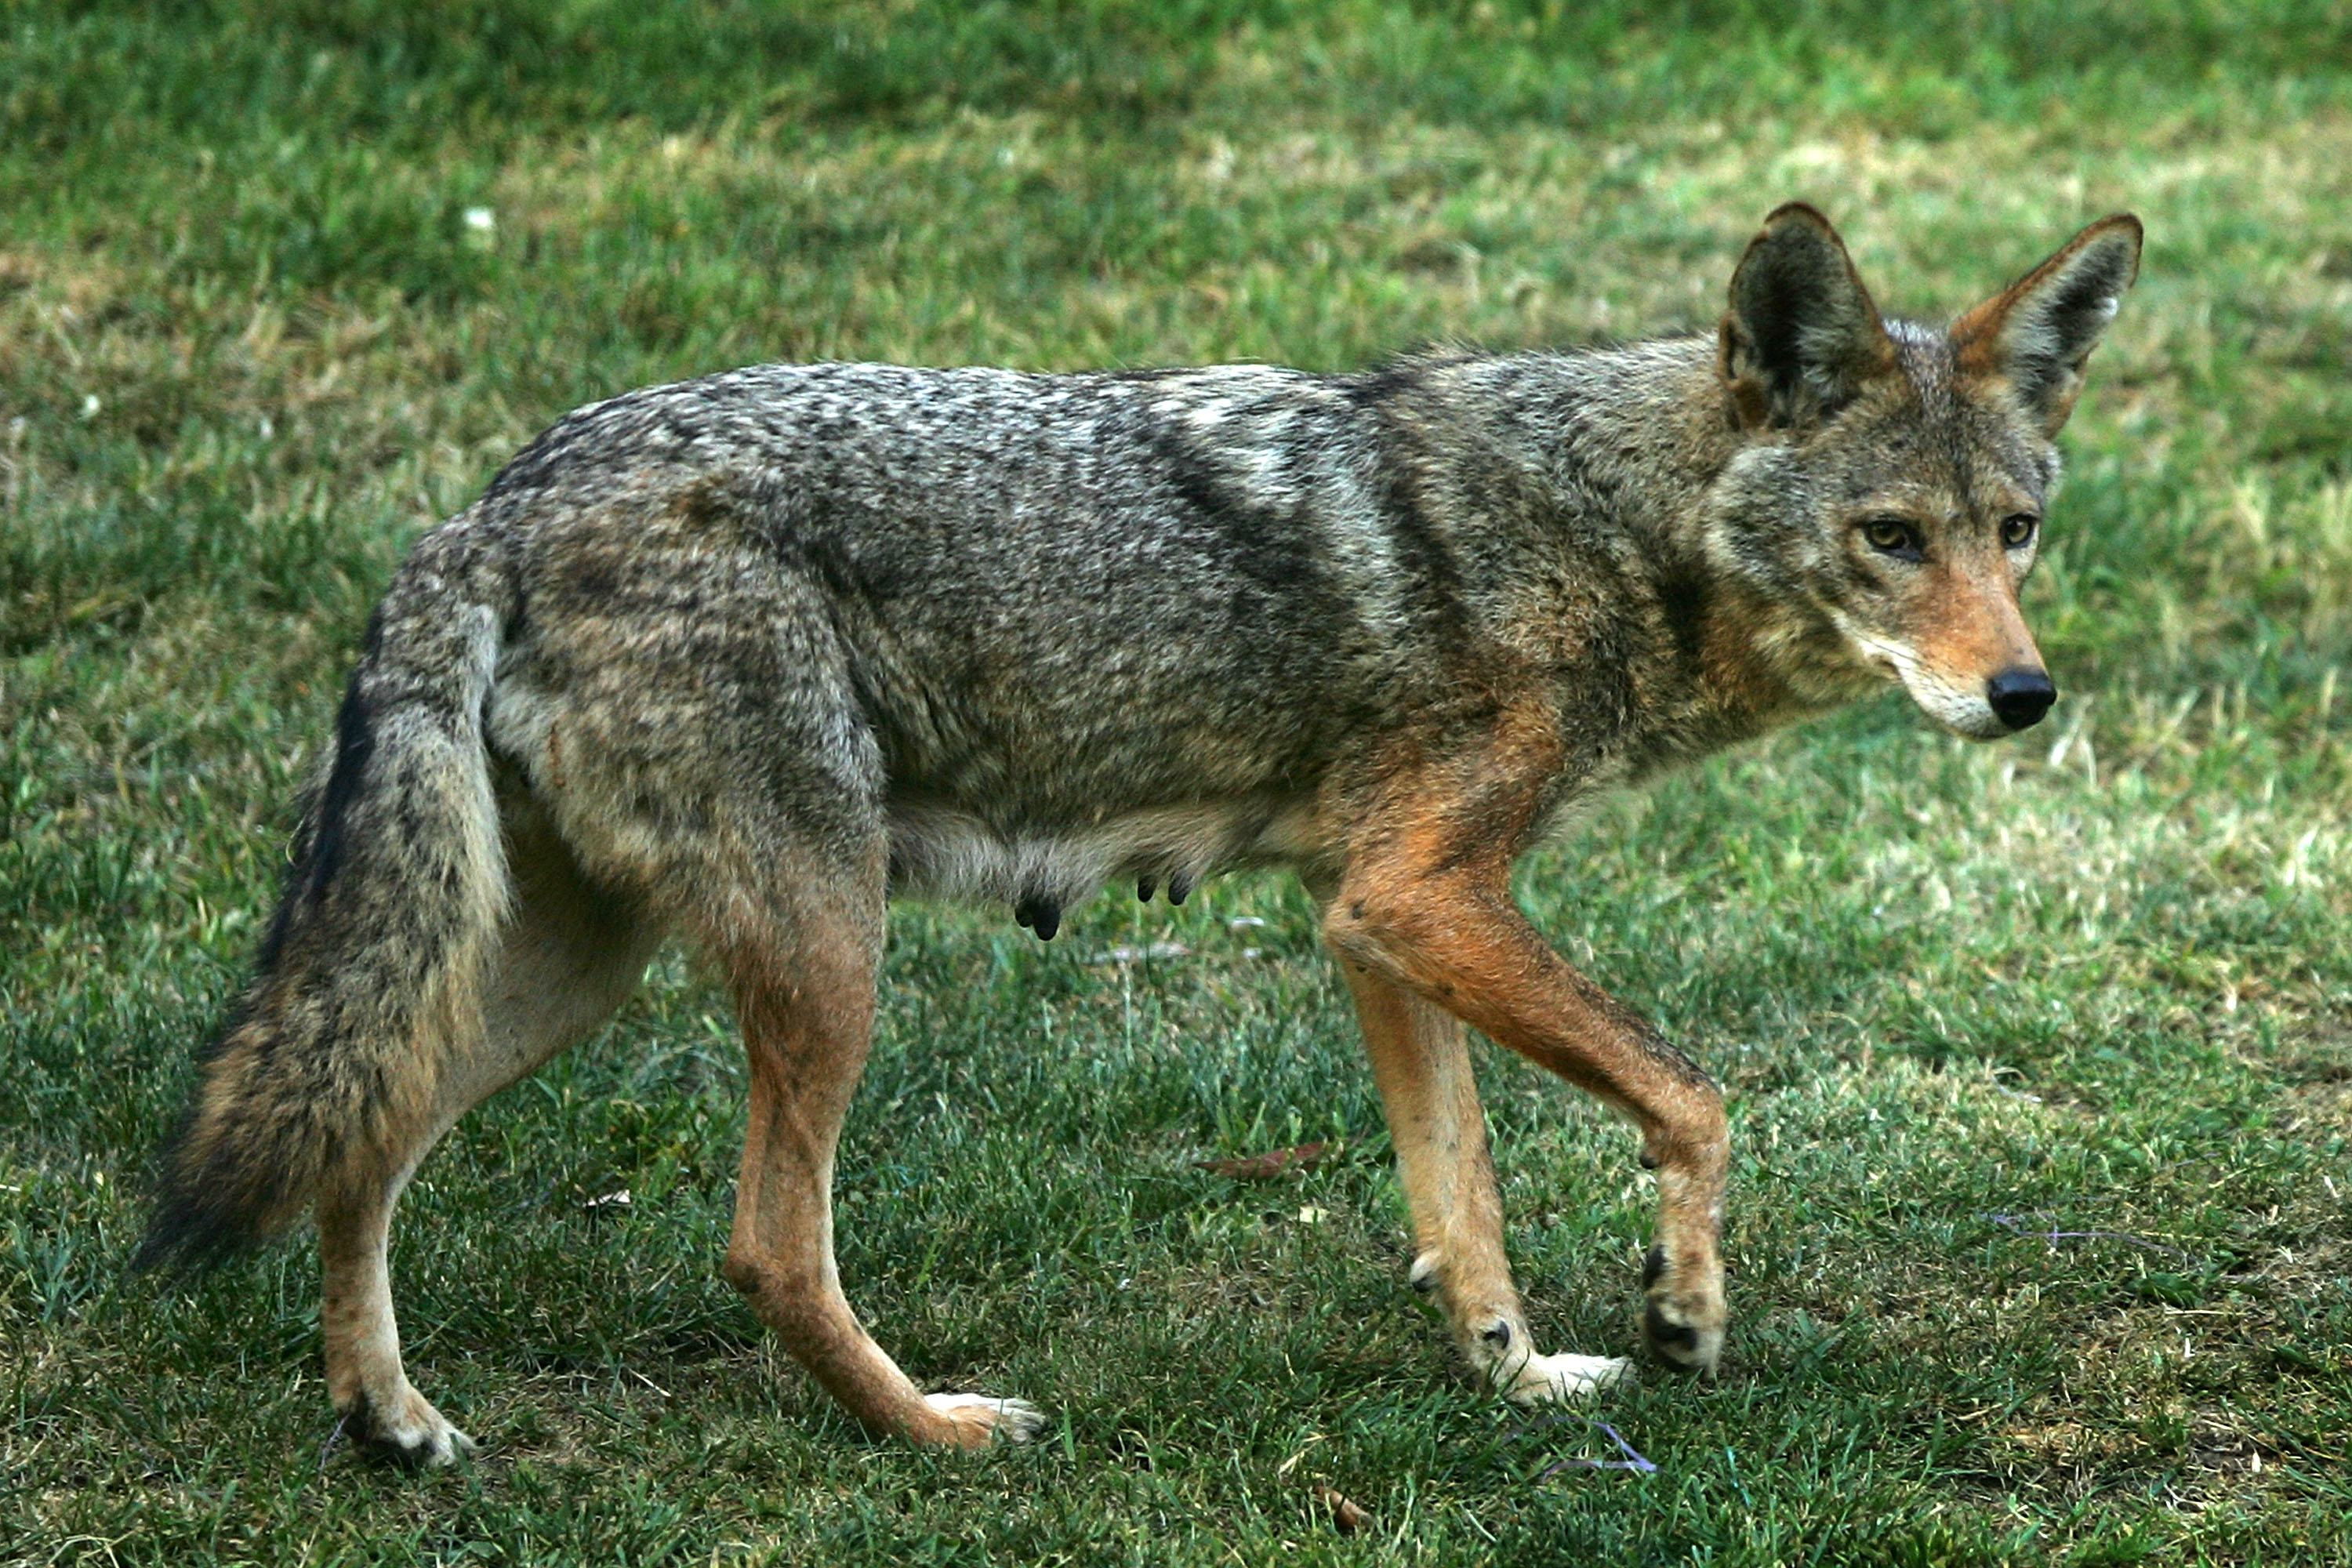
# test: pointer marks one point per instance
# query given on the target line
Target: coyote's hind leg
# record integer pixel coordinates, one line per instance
(569, 955)
(1421, 1063)
(716, 755)
(804, 990)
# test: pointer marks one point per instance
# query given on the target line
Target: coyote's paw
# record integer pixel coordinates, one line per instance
(976, 1420)
(1561, 1379)
(406, 1430)
(1684, 1322)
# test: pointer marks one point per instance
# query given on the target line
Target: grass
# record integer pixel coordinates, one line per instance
(2091, 983)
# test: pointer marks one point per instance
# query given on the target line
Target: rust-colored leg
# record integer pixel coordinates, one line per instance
(807, 1013)
(1421, 1061)
(1453, 936)
(381, 1409)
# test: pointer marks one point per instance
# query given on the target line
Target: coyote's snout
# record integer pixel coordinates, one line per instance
(738, 659)
(1972, 665)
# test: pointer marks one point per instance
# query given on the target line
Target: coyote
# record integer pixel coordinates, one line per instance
(741, 657)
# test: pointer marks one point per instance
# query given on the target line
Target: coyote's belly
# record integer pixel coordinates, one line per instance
(938, 851)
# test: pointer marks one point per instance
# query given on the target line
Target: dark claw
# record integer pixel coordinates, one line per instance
(1649, 1161)
(1143, 888)
(1498, 1336)
(1180, 888)
(1677, 1342)
(358, 1424)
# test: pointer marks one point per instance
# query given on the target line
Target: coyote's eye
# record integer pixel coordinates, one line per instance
(1893, 536)
(2017, 533)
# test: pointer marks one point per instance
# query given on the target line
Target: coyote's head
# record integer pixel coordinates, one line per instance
(1894, 478)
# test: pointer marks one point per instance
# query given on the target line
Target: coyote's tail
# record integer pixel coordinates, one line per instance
(374, 960)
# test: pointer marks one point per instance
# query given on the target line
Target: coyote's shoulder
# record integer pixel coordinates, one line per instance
(736, 658)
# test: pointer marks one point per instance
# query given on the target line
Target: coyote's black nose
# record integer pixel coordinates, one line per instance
(2021, 696)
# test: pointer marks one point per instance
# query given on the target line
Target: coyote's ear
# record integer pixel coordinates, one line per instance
(1801, 336)
(2033, 336)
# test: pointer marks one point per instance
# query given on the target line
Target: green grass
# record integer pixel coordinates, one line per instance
(2091, 981)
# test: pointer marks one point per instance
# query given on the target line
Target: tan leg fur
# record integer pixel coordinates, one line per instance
(1457, 940)
(807, 1007)
(569, 957)
(1421, 1061)
(1424, 905)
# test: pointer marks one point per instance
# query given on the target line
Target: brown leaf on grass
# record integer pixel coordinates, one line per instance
(1346, 1516)
(1266, 1166)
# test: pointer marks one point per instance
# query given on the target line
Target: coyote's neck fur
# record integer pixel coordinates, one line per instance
(1607, 495)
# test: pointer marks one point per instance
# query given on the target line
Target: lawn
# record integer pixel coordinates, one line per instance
(2040, 1053)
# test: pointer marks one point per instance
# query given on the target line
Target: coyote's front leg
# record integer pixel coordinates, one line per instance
(1422, 1064)
(1450, 935)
